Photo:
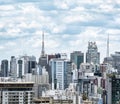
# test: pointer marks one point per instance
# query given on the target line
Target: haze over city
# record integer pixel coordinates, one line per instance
(68, 25)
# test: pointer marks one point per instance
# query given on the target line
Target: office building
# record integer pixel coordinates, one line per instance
(53, 56)
(29, 63)
(61, 73)
(77, 57)
(114, 60)
(92, 54)
(4, 68)
(108, 60)
(13, 67)
(20, 68)
(16, 92)
(32, 65)
(26, 64)
(113, 91)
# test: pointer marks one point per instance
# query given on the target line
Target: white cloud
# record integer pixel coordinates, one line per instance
(113, 31)
(8, 44)
(106, 8)
(6, 7)
(58, 28)
(78, 9)
(2, 47)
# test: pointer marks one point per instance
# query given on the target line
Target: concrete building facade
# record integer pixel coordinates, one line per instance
(16, 92)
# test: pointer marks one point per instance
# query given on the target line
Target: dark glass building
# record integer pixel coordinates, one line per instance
(77, 57)
(4, 68)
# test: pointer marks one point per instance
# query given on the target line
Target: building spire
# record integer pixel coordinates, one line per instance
(108, 46)
(43, 50)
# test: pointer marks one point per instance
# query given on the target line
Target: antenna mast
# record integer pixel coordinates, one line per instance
(43, 50)
(108, 46)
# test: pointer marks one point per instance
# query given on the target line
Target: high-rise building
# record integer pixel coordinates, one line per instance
(92, 54)
(32, 65)
(13, 66)
(4, 68)
(49, 57)
(61, 73)
(16, 92)
(20, 67)
(113, 91)
(108, 60)
(116, 61)
(29, 63)
(77, 57)
(26, 64)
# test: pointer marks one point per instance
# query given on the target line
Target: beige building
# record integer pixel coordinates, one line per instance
(50, 100)
(87, 102)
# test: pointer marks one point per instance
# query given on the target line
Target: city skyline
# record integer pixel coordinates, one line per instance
(68, 26)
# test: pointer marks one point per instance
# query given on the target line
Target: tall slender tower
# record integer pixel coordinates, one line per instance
(43, 50)
(43, 57)
(108, 46)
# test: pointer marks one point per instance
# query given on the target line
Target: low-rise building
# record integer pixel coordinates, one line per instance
(50, 100)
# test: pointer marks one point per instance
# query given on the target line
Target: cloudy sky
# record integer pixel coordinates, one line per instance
(68, 26)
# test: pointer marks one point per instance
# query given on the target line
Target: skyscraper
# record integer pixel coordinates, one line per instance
(77, 57)
(4, 68)
(61, 73)
(13, 66)
(25, 64)
(116, 61)
(113, 90)
(32, 65)
(20, 68)
(92, 54)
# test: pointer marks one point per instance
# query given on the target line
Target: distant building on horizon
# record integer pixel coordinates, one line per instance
(22, 65)
(4, 68)
(77, 57)
(114, 60)
(13, 66)
(92, 54)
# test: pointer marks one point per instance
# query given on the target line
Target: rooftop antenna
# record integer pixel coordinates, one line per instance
(108, 46)
(43, 50)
